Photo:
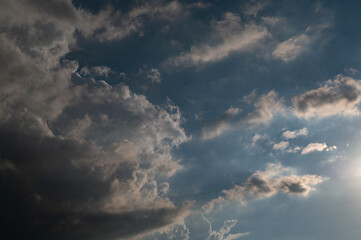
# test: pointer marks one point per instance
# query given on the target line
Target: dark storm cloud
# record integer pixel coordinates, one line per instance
(48, 197)
(79, 161)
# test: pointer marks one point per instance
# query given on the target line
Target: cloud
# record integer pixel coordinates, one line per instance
(295, 46)
(291, 48)
(221, 125)
(85, 160)
(232, 37)
(314, 147)
(293, 134)
(265, 107)
(281, 145)
(224, 231)
(154, 75)
(253, 9)
(264, 184)
(256, 138)
(101, 71)
(338, 96)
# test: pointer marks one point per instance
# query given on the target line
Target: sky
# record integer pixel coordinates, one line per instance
(181, 120)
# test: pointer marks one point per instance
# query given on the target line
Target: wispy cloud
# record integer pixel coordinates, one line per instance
(233, 37)
(264, 184)
(265, 107)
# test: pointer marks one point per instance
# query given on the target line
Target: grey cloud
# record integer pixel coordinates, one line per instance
(82, 160)
(337, 96)
(292, 48)
(264, 184)
(221, 125)
(101, 71)
(154, 75)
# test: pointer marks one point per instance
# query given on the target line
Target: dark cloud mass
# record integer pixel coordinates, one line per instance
(78, 161)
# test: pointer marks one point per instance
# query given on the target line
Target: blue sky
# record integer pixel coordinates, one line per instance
(200, 120)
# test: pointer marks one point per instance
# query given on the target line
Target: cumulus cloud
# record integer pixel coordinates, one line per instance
(339, 96)
(265, 107)
(281, 145)
(84, 160)
(264, 184)
(232, 37)
(293, 134)
(314, 147)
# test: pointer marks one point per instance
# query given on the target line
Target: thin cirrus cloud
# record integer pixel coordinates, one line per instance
(291, 48)
(265, 107)
(295, 46)
(233, 37)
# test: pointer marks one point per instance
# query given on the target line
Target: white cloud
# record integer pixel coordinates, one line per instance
(224, 231)
(314, 147)
(281, 145)
(234, 37)
(293, 134)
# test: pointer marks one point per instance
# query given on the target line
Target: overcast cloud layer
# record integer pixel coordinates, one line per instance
(184, 120)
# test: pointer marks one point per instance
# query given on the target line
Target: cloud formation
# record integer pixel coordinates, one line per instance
(281, 145)
(319, 147)
(95, 159)
(265, 107)
(295, 46)
(339, 96)
(264, 184)
(231, 35)
(293, 134)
